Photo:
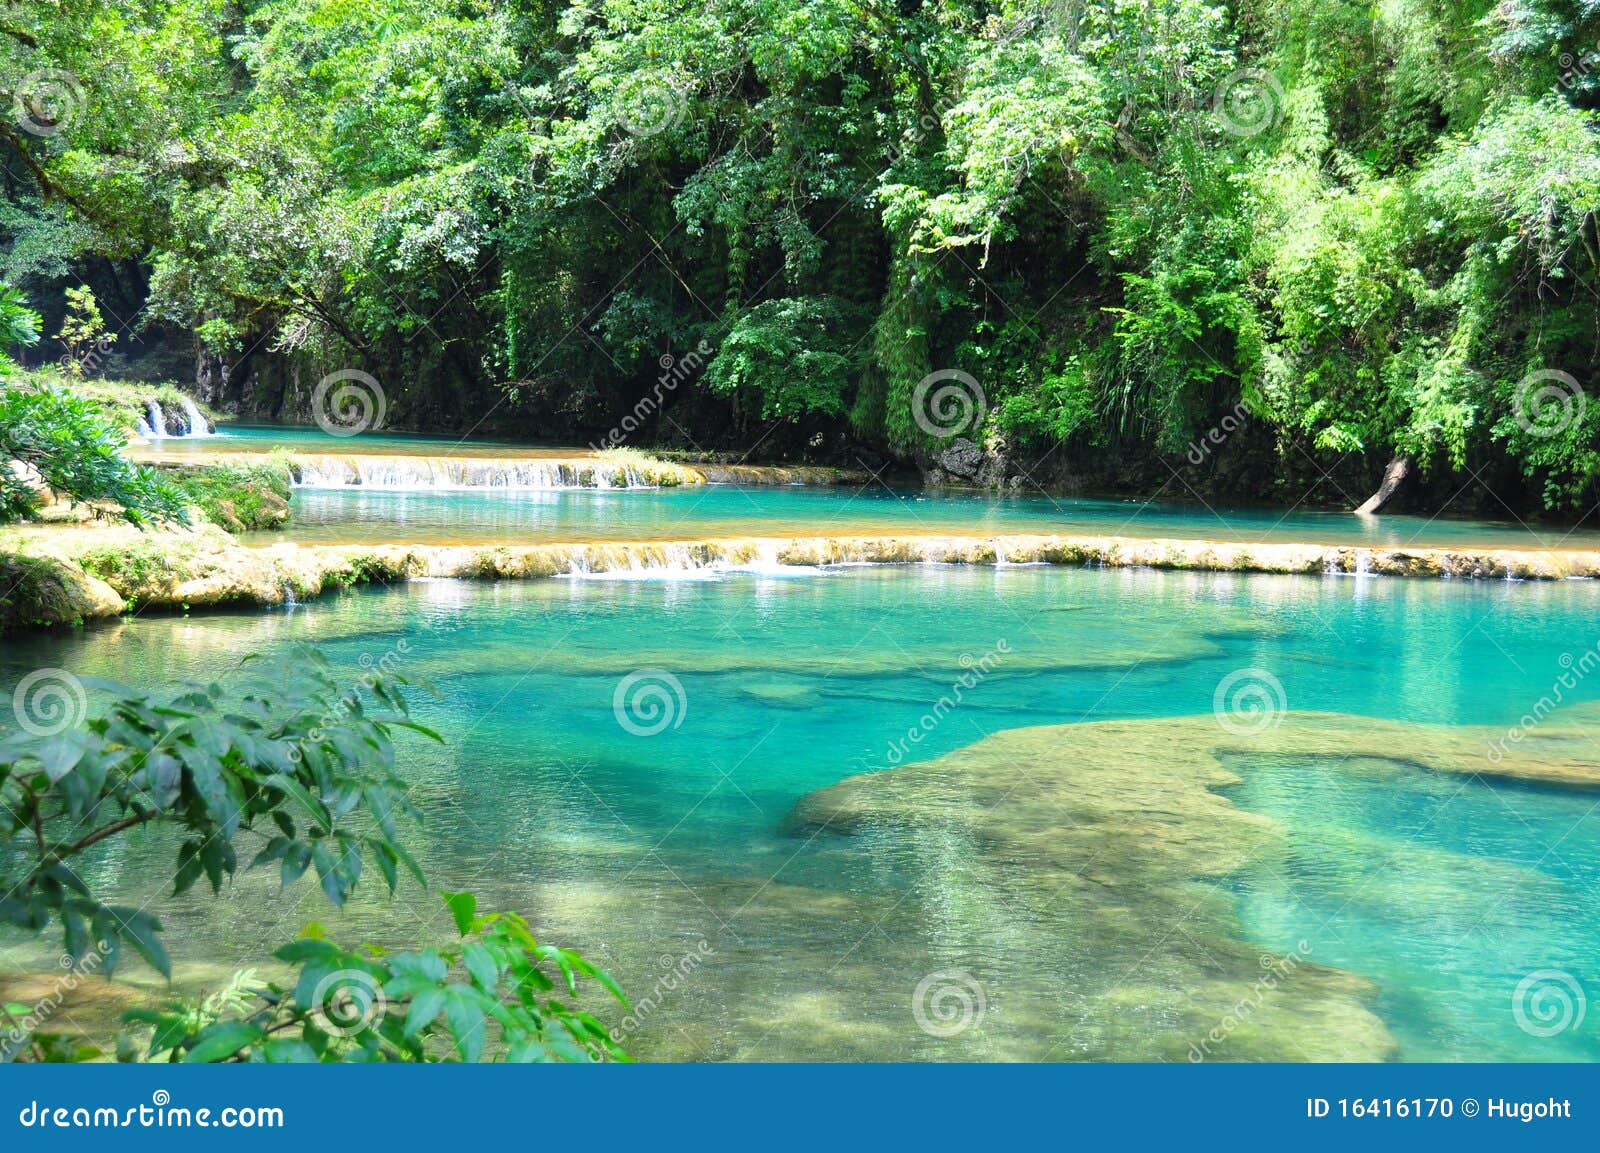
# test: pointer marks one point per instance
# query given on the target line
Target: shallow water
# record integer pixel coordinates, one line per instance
(370, 515)
(1091, 931)
(263, 438)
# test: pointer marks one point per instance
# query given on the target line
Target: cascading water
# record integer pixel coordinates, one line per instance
(419, 472)
(154, 424)
(197, 421)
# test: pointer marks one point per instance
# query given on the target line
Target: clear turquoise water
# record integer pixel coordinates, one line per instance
(376, 516)
(366, 515)
(1443, 891)
(310, 438)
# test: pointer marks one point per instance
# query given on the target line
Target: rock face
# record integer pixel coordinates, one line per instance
(965, 464)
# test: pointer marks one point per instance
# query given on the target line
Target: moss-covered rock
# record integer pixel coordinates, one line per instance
(48, 591)
(240, 497)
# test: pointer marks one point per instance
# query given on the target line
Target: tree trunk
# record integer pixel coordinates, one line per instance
(1393, 477)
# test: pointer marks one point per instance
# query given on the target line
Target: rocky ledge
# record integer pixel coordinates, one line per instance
(71, 573)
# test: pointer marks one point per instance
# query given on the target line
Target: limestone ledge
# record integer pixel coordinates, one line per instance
(540, 470)
(103, 571)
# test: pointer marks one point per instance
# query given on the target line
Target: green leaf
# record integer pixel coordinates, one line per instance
(62, 752)
(463, 1011)
(463, 907)
(222, 1040)
(481, 966)
(288, 1051)
(139, 929)
(425, 1006)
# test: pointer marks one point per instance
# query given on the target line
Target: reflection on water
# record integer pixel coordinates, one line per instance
(366, 515)
(1110, 889)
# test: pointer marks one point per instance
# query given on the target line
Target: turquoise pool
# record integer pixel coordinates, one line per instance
(1046, 849)
(376, 515)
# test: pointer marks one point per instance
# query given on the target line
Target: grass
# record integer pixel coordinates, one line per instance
(122, 400)
(654, 470)
(237, 497)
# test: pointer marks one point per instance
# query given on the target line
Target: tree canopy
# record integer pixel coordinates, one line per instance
(1370, 229)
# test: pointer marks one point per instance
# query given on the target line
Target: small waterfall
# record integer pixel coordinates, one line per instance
(1363, 563)
(154, 424)
(424, 472)
(196, 420)
(676, 561)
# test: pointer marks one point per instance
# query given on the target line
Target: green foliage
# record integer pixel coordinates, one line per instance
(497, 983)
(238, 497)
(83, 333)
(792, 358)
(289, 756)
(62, 442)
(19, 324)
(1366, 222)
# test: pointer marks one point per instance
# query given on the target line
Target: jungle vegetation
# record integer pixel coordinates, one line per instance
(1342, 232)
